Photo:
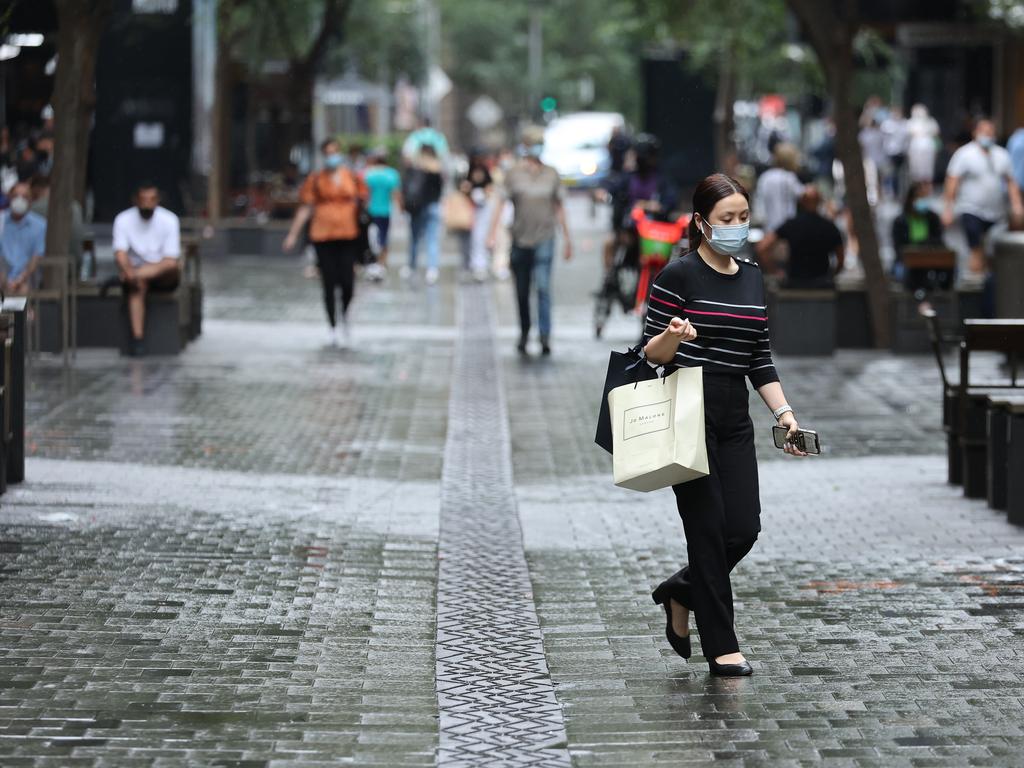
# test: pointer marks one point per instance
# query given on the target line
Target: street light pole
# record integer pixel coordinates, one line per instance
(535, 54)
(432, 31)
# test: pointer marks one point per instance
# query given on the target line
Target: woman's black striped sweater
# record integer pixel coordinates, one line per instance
(728, 311)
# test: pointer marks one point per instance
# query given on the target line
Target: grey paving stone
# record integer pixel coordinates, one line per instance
(231, 557)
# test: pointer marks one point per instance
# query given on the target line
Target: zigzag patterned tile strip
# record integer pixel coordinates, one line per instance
(495, 698)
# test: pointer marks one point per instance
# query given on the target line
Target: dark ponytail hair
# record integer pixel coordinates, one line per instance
(713, 188)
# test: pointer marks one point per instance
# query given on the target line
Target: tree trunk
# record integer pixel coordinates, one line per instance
(86, 110)
(849, 153)
(725, 97)
(830, 28)
(300, 111)
(78, 30)
(220, 149)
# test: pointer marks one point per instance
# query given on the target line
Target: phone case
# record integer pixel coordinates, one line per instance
(812, 447)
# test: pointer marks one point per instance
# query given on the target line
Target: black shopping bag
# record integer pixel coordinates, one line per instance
(623, 368)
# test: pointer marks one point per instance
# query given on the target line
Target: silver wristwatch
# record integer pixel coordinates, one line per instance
(777, 413)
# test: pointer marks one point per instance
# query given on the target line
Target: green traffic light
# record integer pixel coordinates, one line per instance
(548, 104)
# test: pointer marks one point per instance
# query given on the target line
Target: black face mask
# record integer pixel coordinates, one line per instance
(146, 213)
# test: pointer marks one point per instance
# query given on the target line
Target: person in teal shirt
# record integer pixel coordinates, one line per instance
(384, 183)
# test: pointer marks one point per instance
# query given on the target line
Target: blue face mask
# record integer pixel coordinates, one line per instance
(332, 161)
(728, 240)
(987, 142)
(921, 205)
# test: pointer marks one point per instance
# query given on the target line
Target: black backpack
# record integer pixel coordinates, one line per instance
(414, 190)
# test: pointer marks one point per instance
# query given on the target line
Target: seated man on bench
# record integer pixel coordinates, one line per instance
(147, 246)
(22, 242)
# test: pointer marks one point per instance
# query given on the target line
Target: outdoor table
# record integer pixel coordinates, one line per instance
(1006, 336)
(14, 396)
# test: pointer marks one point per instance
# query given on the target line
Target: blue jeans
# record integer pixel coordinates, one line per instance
(528, 263)
(425, 226)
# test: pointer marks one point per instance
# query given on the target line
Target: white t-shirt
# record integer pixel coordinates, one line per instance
(776, 196)
(147, 242)
(982, 190)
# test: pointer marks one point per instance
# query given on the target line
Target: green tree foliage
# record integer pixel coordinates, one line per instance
(1010, 12)
(386, 42)
(603, 42)
(487, 50)
(752, 37)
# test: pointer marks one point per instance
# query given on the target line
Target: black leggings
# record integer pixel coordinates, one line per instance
(721, 514)
(337, 262)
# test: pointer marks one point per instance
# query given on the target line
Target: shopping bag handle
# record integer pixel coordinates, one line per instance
(641, 359)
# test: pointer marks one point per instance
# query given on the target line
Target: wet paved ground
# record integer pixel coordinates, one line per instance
(232, 558)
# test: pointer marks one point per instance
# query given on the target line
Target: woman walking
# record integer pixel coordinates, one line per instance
(421, 195)
(331, 197)
(708, 309)
(478, 185)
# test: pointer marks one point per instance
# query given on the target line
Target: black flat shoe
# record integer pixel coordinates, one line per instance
(680, 643)
(730, 670)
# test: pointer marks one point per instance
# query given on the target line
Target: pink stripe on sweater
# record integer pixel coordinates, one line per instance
(666, 303)
(728, 314)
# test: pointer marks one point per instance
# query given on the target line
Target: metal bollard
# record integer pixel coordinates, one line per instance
(15, 448)
(998, 426)
(1015, 459)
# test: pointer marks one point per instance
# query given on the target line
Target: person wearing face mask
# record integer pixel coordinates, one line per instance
(147, 248)
(708, 309)
(918, 226)
(979, 183)
(22, 241)
(331, 197)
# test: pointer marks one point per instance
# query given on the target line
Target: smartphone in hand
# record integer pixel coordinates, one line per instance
(806, 440)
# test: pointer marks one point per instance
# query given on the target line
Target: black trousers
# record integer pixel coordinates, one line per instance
(721, 514)
(336, 260)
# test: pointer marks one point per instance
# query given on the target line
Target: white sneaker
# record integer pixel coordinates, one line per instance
(346, 334)
(405, 272)
(431, 276)
(332, 337)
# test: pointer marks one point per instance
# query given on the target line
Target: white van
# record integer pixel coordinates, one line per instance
(576, 145)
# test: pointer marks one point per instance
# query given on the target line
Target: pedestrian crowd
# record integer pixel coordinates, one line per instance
(504, 212)
(930, 188)
(925, 192)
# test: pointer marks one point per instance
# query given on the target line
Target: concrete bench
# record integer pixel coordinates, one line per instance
(250, 238)
(853, 316)
(103, 321)
(172, 318)
(803, 321)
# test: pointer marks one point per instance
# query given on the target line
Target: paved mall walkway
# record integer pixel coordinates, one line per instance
(268, 553)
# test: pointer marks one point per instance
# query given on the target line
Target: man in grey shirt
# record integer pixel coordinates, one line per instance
(536, 194)
(979, 183)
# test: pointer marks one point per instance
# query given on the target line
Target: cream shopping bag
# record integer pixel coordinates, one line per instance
(658, 431)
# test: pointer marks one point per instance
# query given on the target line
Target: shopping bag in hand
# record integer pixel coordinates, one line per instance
(626, 367)
(658, 431)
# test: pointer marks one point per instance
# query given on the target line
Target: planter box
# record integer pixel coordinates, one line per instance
(802, 322)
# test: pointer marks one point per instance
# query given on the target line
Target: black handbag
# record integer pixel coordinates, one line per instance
(627, 367)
